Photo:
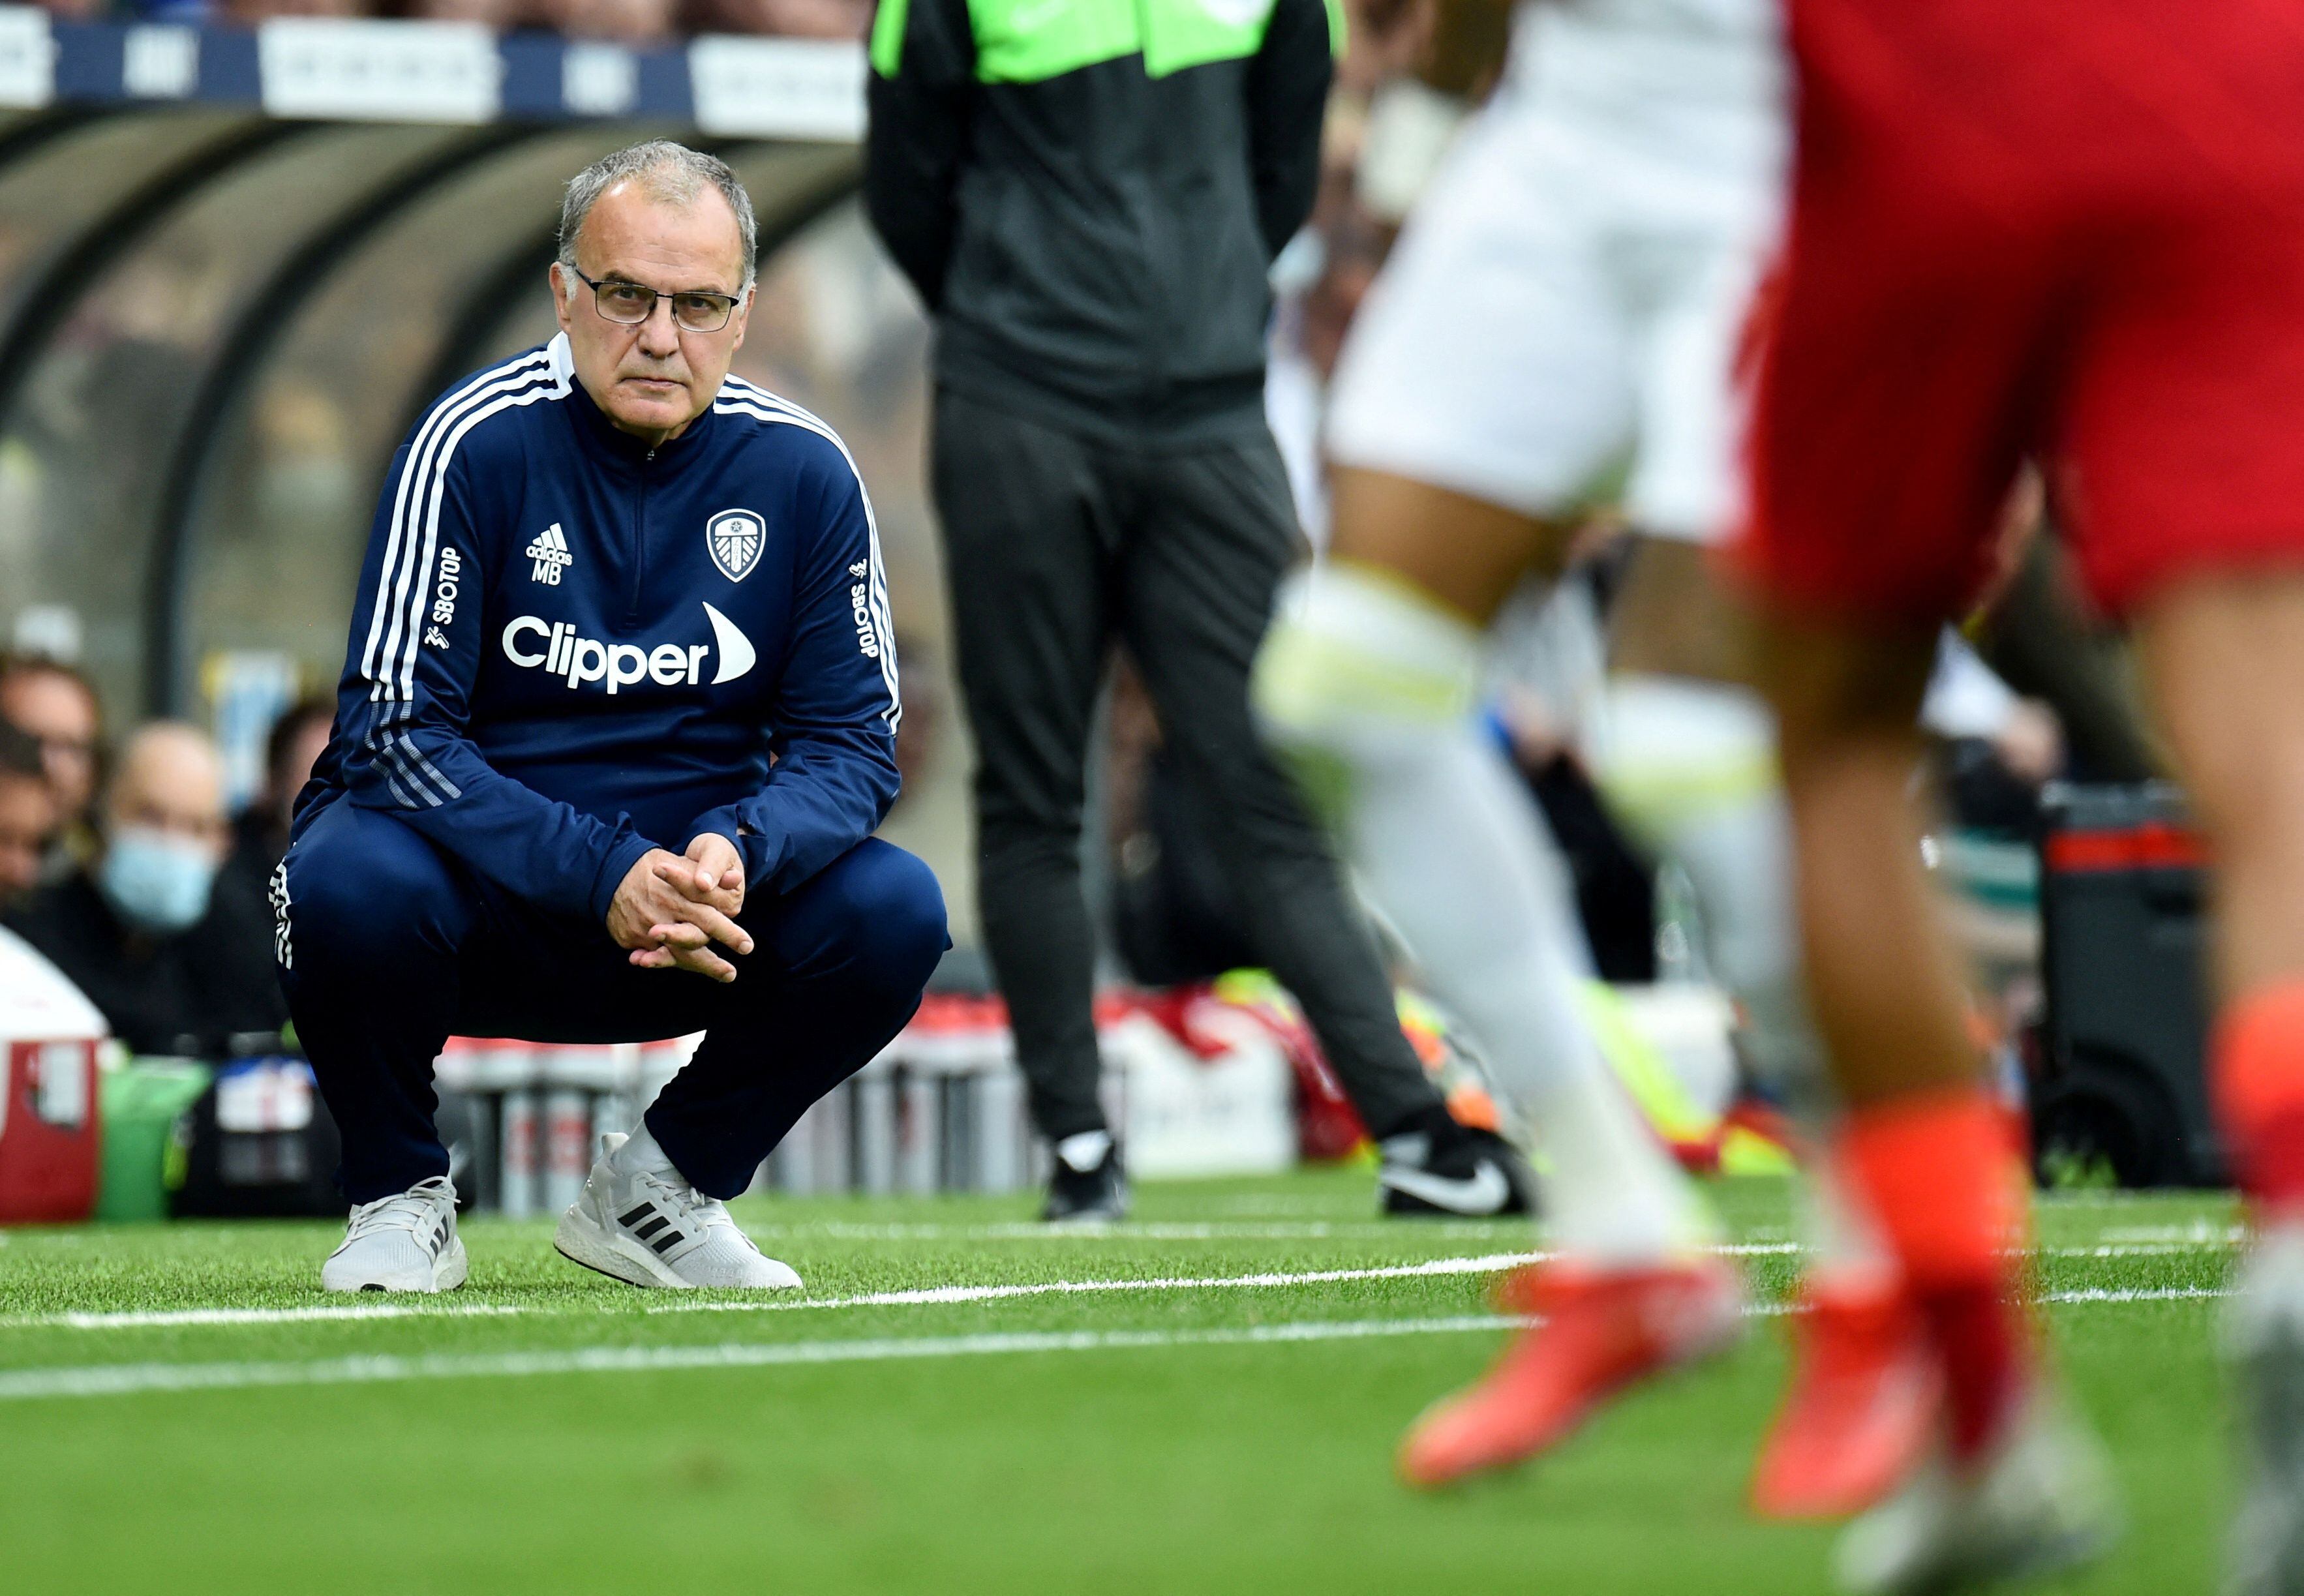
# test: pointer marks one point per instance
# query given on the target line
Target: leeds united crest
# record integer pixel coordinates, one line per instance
(735, 537)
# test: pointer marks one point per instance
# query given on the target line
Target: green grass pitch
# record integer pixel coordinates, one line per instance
(176, 1417)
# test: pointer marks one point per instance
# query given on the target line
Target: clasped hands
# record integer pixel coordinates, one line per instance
(670, 910)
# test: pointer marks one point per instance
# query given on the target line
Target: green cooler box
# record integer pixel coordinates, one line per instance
(143, 1161)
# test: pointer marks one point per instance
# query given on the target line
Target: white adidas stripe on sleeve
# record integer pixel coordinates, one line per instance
(396, 625)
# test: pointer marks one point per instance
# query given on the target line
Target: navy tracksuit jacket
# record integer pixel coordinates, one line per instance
(567, 648)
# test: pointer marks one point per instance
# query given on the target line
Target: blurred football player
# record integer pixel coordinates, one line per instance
(1572, 291)
(2020, 226)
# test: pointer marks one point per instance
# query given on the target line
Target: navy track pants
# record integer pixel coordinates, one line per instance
(390, 947)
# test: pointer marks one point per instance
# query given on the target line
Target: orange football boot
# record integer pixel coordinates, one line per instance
(1601, 1330)
(1862, 1410)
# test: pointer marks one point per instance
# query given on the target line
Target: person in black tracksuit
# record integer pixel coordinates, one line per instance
(1088, 194)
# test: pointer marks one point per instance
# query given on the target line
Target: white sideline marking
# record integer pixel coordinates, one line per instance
(2142, 1294)
(2198, 1233)
(1483, 1263)
(1177, 1230)
(2080, 1298)
(2152, 1249)
(124, 1378)
(1132, 1230)
(1489, 1264)
(163, 1317)
(115, 1380)
(175, 1316)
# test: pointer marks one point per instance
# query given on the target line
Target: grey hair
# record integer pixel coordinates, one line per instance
(672, 173)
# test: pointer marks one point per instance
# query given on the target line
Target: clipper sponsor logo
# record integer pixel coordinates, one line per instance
(734, 538)
(550, 550)
(859, 602)
(554, 646)
(443, 597)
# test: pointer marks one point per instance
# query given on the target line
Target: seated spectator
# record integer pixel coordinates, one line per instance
(58, 707)
(489, 13)
(28, 815)
(794, 19)
(253, 12)
(625, 21)
(138, 929)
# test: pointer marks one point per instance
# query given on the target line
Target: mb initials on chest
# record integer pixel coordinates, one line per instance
(550, 550)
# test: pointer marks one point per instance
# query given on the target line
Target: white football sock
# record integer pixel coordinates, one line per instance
(1371, 686)
(639, 1154)
(1690, 766)
(1084, 1150)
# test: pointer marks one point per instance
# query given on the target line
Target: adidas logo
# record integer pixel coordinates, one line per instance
(550, 552)
(651, 1227)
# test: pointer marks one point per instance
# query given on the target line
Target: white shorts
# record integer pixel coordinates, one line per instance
(1562, 317)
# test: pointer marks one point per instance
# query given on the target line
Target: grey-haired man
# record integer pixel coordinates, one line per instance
(616, 724)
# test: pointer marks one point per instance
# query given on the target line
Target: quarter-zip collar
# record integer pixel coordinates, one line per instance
(620, 445)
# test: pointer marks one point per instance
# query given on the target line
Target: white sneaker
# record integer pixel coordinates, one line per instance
(2263, 1338)
(2040, 1502)
(656, 1230)
(405, 1243)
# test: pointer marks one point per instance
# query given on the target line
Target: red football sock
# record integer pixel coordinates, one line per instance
(2256, 1063)
(1940, 1172)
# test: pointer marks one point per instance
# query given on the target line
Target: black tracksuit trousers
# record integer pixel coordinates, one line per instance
(1056, 543)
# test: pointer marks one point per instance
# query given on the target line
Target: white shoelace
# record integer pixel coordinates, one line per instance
(414, 1210)
(686, 1204)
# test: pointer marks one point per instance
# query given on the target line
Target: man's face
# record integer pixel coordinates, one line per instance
(169, 782)
(28, 820)
(55, 709)
(654, 379)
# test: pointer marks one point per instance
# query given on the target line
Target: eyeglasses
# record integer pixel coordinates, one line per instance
(629, 304)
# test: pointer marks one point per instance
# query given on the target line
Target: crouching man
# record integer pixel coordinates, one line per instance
(616, 724)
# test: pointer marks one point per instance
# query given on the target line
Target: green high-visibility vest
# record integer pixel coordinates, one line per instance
(1030, 41)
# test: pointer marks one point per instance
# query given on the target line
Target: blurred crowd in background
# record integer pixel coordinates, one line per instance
(625, 21)
(120, 862)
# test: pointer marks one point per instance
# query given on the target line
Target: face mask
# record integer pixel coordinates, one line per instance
(157, 880)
